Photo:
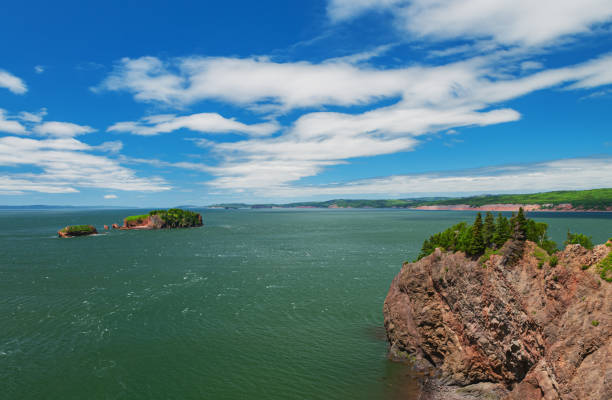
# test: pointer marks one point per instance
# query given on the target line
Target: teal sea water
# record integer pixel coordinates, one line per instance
(257, 304)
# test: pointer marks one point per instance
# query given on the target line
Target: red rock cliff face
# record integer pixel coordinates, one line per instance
(505, 331)
(151, 222)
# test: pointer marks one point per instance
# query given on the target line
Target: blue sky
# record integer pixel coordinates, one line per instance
(167, 103)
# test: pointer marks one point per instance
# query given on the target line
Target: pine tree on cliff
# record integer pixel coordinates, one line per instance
(519, 230)
(477, 245)
(502, 231)
(488, 230)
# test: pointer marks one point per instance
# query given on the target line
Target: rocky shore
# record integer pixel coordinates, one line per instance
(498, 329)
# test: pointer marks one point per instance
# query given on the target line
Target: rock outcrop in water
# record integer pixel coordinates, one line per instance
(505, 329)
(77, 230)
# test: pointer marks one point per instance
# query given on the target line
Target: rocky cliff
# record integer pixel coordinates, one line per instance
(503, 328)
(148, 222)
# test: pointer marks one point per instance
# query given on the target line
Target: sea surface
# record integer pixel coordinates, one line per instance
(257, 304)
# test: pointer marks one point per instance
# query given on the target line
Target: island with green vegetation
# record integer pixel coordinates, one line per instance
(77, 230)
(568, 200)
(163, 219)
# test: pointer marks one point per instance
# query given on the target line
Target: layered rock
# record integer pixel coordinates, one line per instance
(515, 329)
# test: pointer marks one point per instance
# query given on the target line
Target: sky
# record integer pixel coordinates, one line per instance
(165, 103)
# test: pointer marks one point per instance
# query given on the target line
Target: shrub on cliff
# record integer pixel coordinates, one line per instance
(177, 218)
(579, 238)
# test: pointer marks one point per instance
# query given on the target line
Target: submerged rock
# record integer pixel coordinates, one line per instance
(77, 230)
(511, 330)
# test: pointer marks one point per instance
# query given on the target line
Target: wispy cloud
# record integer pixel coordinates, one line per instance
(202, 122)
(12, 83)
(39, 69)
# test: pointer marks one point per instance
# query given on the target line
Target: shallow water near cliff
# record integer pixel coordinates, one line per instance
(257, 304)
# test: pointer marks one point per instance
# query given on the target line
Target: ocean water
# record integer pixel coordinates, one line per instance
(257, 304)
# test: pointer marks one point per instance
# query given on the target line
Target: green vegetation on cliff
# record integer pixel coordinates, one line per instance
(480, 237)
(78, 230)
(604, 267)
(171, 218)
(137, 217)
(177, 218)
(579, 238)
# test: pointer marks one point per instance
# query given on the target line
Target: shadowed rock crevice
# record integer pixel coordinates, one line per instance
(509, 328)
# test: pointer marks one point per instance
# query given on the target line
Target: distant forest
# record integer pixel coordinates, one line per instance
(595, 199)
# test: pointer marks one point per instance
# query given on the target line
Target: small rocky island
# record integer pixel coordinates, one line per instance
(505, 322)
(156, 219)
(163, 219)
(77, 230)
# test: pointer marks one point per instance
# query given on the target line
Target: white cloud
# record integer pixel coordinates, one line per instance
(564, 174)
(110, 196)
(65, 165)
(10, 126)
(251, 81)
(61, 129)
(33, 117)
(12, 83)
(202, 122)
(269, 86)
(507, 22)
(39, 69)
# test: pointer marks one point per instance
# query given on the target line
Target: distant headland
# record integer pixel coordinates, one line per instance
(595, 200)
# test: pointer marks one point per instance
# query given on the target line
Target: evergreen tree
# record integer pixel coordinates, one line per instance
(477, 245)
(502, 231)
(518, 224)
(488, 230)
(521, 223)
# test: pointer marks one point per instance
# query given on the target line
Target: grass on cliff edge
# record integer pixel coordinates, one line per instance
(136, 217)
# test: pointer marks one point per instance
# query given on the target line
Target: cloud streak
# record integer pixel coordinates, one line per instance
(201, 122)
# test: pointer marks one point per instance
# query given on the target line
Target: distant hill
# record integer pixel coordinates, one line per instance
(595, 199)
(578, 200)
